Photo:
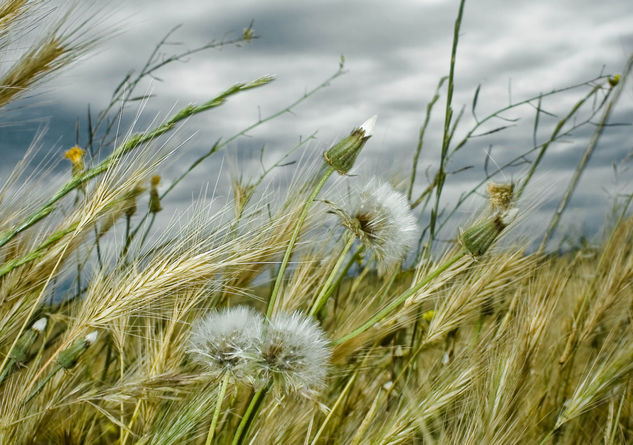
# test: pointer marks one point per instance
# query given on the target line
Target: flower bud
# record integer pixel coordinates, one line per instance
(613, 81)
(478, 238)
(69, 356)
(154, 197)
(21, 350)
(343, 154)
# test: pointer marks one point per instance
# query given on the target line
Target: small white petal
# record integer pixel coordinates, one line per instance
(92, 337)
(40, 325)
(368, 125)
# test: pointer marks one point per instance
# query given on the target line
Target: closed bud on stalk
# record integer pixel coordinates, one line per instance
(154, 197)
(478, 238)
(342, 155)
(130, 200)
(20, 352)
(613, 81)
(69, 356)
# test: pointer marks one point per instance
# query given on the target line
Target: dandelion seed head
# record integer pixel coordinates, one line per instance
(226, 341)
(382, 219)
(294, 354)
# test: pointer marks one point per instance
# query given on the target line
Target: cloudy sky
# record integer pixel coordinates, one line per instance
(395, 53)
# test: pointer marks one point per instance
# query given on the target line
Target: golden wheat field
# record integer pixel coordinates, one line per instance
(326, 311)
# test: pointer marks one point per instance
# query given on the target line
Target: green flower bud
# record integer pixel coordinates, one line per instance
(613, 81)
(20, 353)
(69, 356)
(478, 238)
(343, 154)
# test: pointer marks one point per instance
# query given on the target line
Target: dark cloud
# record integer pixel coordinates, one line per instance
(395, 52)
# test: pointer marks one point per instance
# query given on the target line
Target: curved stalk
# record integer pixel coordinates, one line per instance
(327, 288)
(293, 240)
(218, 407)
(401, 299)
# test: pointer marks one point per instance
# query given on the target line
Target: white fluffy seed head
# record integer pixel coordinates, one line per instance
(382, 219)
(294, 354)
(226, 341)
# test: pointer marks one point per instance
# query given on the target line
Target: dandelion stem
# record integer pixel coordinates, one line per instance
(147, 230)
(401, 299)
(327, 288)
(339, 399)
(7, 370)
(218, 407)
(43, 382)
(293, 240)
(253, 407)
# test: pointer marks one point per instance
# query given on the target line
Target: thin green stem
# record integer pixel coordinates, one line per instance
(38, 252)
(218, 407)
(418, 149)
(293, 240)
(441, 174)
(252, 409)
(327, 288)
(401, 299)
(585, 158)
(221, 144)
(43, 382)
(553, 137)
(147, 230)
(338, 402)
(7, 370)
(127, 146)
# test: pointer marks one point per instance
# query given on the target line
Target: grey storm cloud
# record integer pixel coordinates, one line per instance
(395, 52)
